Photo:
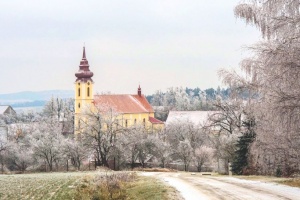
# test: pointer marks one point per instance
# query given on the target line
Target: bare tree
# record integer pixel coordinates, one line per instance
(185, 153)
(202, 155)
(99, 127)
(20, 156)
(75, 151)
(131, 141)
(63, 111)
(47, 142)
(3, 148)
(163, 152)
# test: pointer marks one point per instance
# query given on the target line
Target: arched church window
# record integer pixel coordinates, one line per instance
(78, 105)
(88, 91)
(144, 122)
(126, 123)
(79, 92)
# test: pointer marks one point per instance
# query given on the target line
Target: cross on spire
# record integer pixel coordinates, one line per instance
(83, 54)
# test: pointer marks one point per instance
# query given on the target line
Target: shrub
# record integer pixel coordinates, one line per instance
(108, 186)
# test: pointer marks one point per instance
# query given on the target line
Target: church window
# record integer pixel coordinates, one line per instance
(144, 122)
(134, 121)
(88, 91)
(126, 123)
(78, 105)
(79, 92)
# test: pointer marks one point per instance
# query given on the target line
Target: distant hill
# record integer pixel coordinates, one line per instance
(31, 99)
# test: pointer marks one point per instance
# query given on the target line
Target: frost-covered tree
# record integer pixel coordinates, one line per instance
(202, 155)
(98, 128)
(75, 151)
(272, 75)
(4, 144)
(181, 130)
(157, 99)
(47, 143)
(163, 152)
(138, 145)
(185, 153)
(184, 137)
(62, 110)
(20, 156)
(130, 142)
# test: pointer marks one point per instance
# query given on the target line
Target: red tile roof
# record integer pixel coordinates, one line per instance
(155, 121)
(125, 103)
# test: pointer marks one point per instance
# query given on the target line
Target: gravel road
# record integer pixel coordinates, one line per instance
(201, 187)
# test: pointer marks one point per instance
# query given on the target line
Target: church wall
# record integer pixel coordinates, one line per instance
(139, 117)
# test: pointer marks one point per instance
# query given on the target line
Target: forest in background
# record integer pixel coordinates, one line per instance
(187, 99)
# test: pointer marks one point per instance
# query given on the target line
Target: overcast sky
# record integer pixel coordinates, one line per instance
(157, 43)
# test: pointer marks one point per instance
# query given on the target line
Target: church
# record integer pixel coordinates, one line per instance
(133, 109)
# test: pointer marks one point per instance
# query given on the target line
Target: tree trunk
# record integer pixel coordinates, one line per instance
(199, 168)
(163, 164)
(78, 164)
(67, 165)
(2, 165)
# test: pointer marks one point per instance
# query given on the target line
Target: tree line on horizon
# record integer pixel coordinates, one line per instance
(187, 99)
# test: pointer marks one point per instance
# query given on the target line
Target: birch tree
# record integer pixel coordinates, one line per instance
(272, 73)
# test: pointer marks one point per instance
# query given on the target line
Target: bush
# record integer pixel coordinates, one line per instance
(102, 187)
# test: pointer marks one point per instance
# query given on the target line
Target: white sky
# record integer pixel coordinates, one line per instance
(157, 43)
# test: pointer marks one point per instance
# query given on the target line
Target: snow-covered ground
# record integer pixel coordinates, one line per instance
(201, 187)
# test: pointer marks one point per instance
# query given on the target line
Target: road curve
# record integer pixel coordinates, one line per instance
(196, 187)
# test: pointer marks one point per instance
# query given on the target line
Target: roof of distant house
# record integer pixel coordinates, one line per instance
(197, 117)
(124, 103)
(155, 121)
(6, 110)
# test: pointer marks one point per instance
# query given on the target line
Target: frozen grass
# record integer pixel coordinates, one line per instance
(150, 188)
(40, 185)
(124, 186)
(67, 185)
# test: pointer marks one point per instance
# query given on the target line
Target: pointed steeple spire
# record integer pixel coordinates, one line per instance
(84, 73)
(83, 54)
(140, 90)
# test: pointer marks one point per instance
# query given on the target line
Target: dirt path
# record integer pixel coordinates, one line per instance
(196, 187)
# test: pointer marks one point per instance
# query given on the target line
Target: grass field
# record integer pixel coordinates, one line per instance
(39, 186)
(63, 186)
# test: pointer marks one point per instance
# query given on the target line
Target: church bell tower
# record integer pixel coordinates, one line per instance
(83, 89)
